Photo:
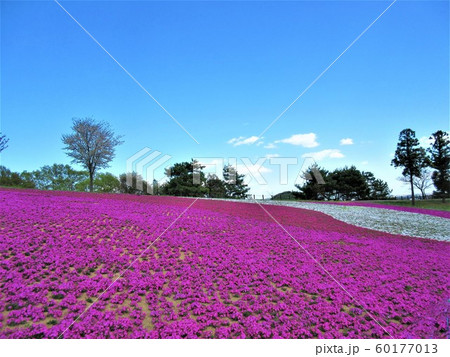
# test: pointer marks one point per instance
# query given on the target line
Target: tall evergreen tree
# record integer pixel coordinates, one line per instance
(234, 183)
(377, 188)
(410, 156)
(350, 183)
(216, 186)
(185, 179)
(440, 161)
(318, 184)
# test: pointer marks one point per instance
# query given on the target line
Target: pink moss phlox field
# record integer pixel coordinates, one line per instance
(223, 270)
(431, 212)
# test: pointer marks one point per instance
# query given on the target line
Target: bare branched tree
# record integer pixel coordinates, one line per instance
(92, 145)
(422, 182)
(3, 142)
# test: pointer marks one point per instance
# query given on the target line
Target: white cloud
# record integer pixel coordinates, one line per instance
(305, 140)
(328, 153)
(364, 162)
(270, 146)
(242, 140)
(268, 156)
(346, 141)
(233, 140)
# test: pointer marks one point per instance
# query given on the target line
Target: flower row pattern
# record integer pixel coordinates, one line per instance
(222, 270)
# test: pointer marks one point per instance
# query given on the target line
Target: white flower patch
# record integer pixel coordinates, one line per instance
(380, 219)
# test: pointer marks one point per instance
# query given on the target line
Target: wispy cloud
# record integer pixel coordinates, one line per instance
(242, 140)
(346, 141)
(324, 154)
(305, 140)
(270, 146)
(268, 156)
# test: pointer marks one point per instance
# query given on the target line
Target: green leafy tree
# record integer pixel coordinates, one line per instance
(410, 156)
(132, 187)
(350, 183)
(27, 180)
(106, 182)
(235, 186)
(9, 178)
(92, 145)
(58, 177)
(377, 189)
(440, 161)
(3, 142)
(185, 179)
(216, 187)
(103, 182)
(318, 184)
(14, 179)
(347, 183)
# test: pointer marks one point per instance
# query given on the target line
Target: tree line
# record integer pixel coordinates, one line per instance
(180, 182)
(92, 145)
(59, 177)
(420, 167)
(188, 179)
(347, 183)
(414, 160)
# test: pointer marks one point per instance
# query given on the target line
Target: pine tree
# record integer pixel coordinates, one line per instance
(234, 183)
(410, 156)
(440, 161)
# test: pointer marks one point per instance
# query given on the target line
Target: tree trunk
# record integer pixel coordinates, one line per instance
(91, 182)
(424, 196)
(412, 191)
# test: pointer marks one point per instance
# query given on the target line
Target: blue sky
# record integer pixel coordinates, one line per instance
(226, 70)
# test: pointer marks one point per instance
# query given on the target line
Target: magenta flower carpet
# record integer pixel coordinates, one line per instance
(76, 265)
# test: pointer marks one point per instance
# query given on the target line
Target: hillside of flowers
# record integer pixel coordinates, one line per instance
(222, 270)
